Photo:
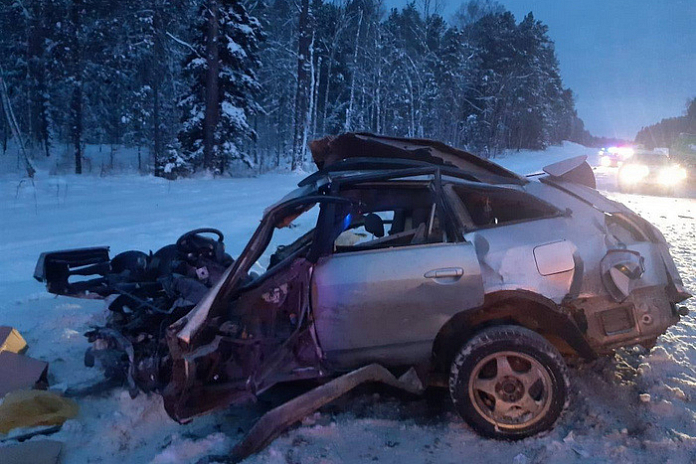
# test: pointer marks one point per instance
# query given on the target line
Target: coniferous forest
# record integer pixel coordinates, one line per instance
(230, 85)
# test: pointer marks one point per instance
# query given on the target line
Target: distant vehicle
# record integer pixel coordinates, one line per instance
(614, 156)
(651, 171)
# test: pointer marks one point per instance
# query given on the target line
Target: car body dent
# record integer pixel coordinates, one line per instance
(514, 267)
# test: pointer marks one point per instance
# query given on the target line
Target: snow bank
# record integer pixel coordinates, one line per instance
(528, 161)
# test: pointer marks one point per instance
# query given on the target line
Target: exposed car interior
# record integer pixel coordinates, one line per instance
(479, 208)
(390, 217)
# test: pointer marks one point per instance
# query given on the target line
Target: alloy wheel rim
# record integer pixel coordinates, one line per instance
(510, 389)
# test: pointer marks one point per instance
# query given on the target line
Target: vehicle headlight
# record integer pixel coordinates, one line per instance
(672, 175)
(633, 173)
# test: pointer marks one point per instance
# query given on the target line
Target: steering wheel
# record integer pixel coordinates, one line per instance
(193, 243)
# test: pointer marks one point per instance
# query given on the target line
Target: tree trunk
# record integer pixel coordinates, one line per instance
(349, 112)
(255, 146)
(14, 127)
(212, 112)
(326, 92)
(308, 124)
(315, 95)
(378, 86)
(302, 92)
(38, 118)
(76, 98)
(155, 76)
(4, 127)
(156, 132)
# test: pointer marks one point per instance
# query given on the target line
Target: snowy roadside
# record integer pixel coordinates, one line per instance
(607, 421)
(124, 212)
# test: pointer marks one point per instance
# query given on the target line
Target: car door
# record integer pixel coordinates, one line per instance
(387, 304)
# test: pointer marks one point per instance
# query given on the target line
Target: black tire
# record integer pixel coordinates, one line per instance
(524, 355)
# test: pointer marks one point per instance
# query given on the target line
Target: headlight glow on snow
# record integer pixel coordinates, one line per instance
(605, 161)
(625, 152)
(672, 175)
(633, 173)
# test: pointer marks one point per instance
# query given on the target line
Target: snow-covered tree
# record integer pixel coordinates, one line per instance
(87, 71)
(222, 71)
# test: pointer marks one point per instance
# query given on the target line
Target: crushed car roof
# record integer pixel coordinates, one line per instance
(367, 152)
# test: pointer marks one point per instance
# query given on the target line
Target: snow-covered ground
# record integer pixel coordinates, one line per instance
(607, 421)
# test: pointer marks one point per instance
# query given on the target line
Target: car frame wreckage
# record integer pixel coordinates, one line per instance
(484, 282)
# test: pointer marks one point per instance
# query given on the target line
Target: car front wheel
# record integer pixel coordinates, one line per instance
(508, 382)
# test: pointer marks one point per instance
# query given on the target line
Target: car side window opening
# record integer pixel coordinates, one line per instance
(485, 208)
(389, 217)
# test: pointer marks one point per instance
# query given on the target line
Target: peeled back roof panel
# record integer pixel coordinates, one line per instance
(332, 149)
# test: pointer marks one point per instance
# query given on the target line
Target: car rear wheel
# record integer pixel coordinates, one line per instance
(508, 382)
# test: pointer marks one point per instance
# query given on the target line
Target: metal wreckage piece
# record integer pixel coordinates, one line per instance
(470, 246)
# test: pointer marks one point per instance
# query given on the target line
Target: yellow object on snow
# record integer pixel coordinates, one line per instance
(31, 408)
(11, 340)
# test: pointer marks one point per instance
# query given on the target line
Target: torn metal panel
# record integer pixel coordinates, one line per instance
(639, 319)
(330, 150)
(621, 270)
(252, 351)
(274, 422)
(575, 170)
(18, 372)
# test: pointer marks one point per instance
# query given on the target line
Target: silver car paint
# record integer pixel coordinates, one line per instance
(395, 299)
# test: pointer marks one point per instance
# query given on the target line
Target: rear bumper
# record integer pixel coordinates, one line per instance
(639, 320)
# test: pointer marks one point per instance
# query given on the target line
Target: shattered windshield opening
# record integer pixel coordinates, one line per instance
(291, 234)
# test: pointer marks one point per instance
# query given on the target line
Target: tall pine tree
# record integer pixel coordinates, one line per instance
(222, 71)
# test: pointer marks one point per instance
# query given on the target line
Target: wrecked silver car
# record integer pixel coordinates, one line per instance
(405, 253)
